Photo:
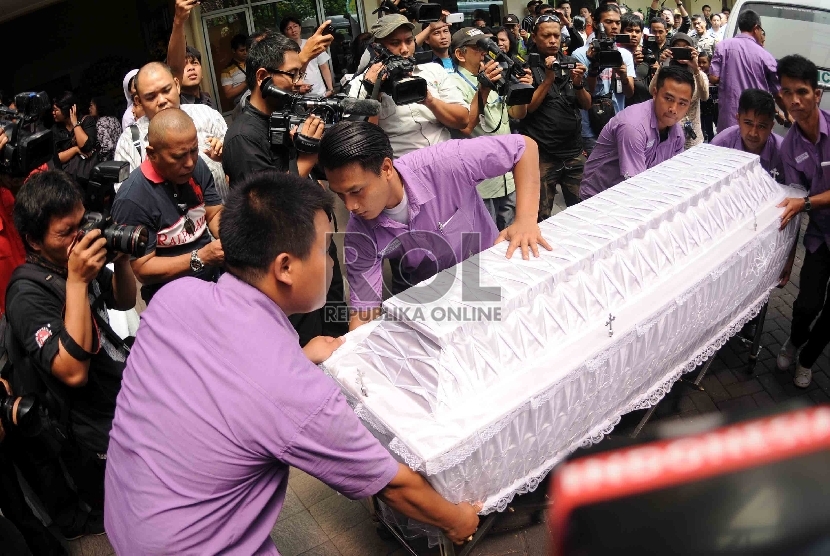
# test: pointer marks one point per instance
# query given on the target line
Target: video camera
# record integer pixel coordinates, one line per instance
(396, 77)
(565, 64)
(423, 12)
(605, 48)
(294, 109)
(98, 198)
(29, 145)
(508, 85)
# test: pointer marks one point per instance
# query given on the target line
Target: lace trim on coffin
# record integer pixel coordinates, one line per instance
(457, 455)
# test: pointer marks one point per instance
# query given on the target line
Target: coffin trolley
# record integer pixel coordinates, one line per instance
(645, 283)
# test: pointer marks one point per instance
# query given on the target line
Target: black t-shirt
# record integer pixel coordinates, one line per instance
(203, 98)
(641, 81)
(247, 148)
(146, 199)
(557, 124)
(35, 315)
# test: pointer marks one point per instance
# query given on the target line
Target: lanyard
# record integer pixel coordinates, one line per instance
(474, 88)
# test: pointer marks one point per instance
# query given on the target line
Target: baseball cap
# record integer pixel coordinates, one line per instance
(510, 19)
(466, 37)
(387, 25)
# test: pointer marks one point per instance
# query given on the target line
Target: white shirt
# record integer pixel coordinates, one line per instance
(399, 213)
(209, 123)
(312, 73)
(413, 126)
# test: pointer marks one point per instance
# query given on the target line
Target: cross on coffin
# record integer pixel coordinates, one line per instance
(774, 173)
(610, 324)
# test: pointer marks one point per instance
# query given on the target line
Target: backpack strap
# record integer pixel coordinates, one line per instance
(136, 135)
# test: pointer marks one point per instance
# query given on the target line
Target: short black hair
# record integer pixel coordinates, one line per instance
(698, 16)
(106, 106)
(704, 53)
(630, 20)
(354, 143)
(748, 20)
(269, 213)
(511, 38)
(568, 2)
(758, 101)
(675, 73)
(705, 6)
(604, 8)
(239, 40)
(44, 196)
(659, 20)
(64, 102)
(191, 53)
(268, 53)
(796, 66)
(289, 19)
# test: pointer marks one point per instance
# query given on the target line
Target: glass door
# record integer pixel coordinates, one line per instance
(345, 16)
(219, 32)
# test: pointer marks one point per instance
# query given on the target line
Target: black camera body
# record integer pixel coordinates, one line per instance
(606, 51)
(98, 198)
(651, 51)
(397, 79)
(508, 86)
(29, 144)
(423, 12)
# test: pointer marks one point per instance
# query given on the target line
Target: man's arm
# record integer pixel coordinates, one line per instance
(315, 45)
(541, 92)
(686, 24)
(325, 71)
(176, 48)
(152, 269)
(716, 65)
(123, 283)
(230, 90)
(213, 215)
(359, 317)
(410, 494)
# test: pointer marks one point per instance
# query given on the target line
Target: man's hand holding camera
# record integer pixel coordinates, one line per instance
(316, 44)
(307, 142)
(490, 74)
(578, 75)
(87, 257)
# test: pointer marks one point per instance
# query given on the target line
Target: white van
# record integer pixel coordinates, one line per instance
(793, 27)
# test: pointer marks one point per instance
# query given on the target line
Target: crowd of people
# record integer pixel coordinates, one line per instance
(181, 441)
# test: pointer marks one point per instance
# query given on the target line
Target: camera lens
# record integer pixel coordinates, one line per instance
(127, 239)
(21, 412)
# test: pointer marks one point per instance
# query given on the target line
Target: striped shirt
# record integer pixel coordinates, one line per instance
(209, 123)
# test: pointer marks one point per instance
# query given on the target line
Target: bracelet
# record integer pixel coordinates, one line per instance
(578, 87)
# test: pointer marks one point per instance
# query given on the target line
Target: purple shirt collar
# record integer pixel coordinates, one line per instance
(418, 194)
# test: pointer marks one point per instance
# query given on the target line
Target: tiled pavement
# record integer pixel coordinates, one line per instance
(316, 521)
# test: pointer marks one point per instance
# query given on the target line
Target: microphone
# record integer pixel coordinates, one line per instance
(360, 107)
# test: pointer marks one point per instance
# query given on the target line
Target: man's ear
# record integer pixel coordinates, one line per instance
(36, 245)
(151, 152)
(261, 75)
(386, 168)
(178, 85)
(282, 269)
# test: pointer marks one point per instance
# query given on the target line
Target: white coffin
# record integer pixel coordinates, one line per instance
(682, 256)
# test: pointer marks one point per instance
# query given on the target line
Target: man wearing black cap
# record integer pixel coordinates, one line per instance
(418, 125)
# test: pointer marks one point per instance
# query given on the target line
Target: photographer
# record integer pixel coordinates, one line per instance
(417, 125)
(66, 354)
(553, 120)
(605, 83)
(75, 140)
(247, 147)
(201, 445)
(642, 136)
(186, 61)
(423, 209)
(632, 26)
(489, 115)
(172, 194)
(691, 123)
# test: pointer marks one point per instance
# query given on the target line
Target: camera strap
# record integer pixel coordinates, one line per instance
(181, 207)
(306, 144)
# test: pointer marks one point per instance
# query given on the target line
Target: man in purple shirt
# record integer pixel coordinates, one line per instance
(741, 63)
(753, 134)
(806, 156)
(641, 136)
(218, 399)
(423, 208)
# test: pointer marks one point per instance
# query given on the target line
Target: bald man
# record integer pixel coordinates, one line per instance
(157, 90)
(173, 194)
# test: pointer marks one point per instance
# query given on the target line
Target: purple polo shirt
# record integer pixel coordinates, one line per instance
(741, 63)
(770, 155)
(808, 164)
(628, 145)
(217, 401)
(448, 221)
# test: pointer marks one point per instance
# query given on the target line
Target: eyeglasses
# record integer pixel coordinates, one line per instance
(295, 76)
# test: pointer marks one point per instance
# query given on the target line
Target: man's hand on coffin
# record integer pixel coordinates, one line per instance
(788, 266)
(524, 234)
(320, 348)
(792, 206)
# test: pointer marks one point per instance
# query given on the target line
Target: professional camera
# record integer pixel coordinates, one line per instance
(294, 109)
(651, 51)
(396, 77)
(605, 48)
(508, 86)
(561, 66)
(98, 197)
(413, 9)
(29, 145)
(20, 412)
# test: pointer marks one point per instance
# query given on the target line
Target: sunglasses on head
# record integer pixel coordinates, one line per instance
(546, 18)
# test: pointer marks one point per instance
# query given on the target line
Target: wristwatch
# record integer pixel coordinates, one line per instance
(807, 204)
(196, 264)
